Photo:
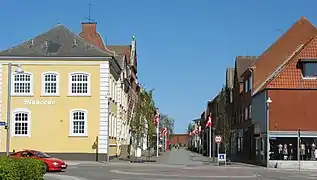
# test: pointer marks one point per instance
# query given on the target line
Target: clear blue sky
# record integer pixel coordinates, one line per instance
(183, 46)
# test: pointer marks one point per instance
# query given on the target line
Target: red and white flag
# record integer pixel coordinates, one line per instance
(157, 118)
(209, 122)
(164, 132)
(194, 132)
(199, 129)
(190, 133)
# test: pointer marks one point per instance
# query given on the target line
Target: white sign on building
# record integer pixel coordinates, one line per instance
(39, 102)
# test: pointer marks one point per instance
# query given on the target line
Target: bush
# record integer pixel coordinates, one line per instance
(21, 169)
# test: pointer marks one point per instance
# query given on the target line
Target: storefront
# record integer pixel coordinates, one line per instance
(292, 148)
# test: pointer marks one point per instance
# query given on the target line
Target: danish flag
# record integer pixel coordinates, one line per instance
(164, 132)
(190, 133)
(209, 122)
(157, 118)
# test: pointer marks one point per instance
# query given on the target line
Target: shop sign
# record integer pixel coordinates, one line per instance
(39, 102)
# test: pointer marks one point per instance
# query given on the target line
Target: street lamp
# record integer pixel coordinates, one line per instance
(268, 102)
(17, 70)
(213, 143)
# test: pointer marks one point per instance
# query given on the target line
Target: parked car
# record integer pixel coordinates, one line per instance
(51, 163)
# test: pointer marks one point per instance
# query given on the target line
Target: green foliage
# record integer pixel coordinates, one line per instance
(189, 128)
(167, 122)
(142, 121)
(21, 169)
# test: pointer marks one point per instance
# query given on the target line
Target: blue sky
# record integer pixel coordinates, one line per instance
(183, 47)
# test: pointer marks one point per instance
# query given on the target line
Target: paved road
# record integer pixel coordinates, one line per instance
(179, 165)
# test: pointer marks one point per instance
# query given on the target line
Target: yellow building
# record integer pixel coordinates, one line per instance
(63, 100)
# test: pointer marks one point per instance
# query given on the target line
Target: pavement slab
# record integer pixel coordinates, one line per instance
(175, 165)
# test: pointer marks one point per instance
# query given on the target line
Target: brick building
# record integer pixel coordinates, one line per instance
(280, 88)
(179, 139)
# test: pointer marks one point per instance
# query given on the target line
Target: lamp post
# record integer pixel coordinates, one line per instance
(213, 143)
(17, 70)
(268, 102)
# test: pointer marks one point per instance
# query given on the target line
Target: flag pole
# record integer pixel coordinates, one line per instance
(210, 141)
(157, 140)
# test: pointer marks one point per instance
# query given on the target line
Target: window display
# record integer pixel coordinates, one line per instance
(286, 148)
(283, 148)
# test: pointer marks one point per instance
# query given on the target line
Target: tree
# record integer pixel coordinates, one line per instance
(225, 126)
(189, 128)
(141, 124)
(167, 122)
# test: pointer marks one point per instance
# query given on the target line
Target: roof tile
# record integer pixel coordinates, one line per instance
(277, 53)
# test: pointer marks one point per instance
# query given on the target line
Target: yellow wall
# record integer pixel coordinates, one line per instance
(50, 123)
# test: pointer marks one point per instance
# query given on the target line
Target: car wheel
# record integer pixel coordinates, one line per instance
(46, 168)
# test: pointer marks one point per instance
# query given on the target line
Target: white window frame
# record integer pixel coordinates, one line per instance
(70, 84)
(71, 120)
(13, 81)
(21, 110)
(57, 83)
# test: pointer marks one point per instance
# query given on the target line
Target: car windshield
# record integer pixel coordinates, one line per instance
(41, 154)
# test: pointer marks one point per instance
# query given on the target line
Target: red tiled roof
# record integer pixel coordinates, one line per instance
(291, 76)
(301, 32)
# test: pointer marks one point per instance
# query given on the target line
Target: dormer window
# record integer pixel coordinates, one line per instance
(309, 69)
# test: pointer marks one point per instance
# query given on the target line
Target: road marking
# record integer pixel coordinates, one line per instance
(179, 175)
(63, 177)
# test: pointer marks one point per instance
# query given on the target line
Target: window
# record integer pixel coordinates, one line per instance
(250, 111)
(50, 84)
(250, 82)
(310, 69)
(22, 84)
(78, 122)
(21, 122)
(246, 83)
(79, 84)
(246, 114)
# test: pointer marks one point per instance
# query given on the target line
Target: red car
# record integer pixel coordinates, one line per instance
(51, 164)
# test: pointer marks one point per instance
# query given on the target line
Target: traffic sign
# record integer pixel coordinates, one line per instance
(222, 157)
(218, 139)
(2, 123)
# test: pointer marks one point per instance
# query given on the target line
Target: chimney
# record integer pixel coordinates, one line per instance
(89, 27)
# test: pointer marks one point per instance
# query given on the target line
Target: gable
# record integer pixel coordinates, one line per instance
(290, 77)
(57, 42)
(301, 32)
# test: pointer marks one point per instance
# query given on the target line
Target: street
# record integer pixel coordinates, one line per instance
(193, 168)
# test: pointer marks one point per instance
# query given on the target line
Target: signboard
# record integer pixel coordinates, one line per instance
(39, 102)
(2, 123)
(222, 157)
(218, 139)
